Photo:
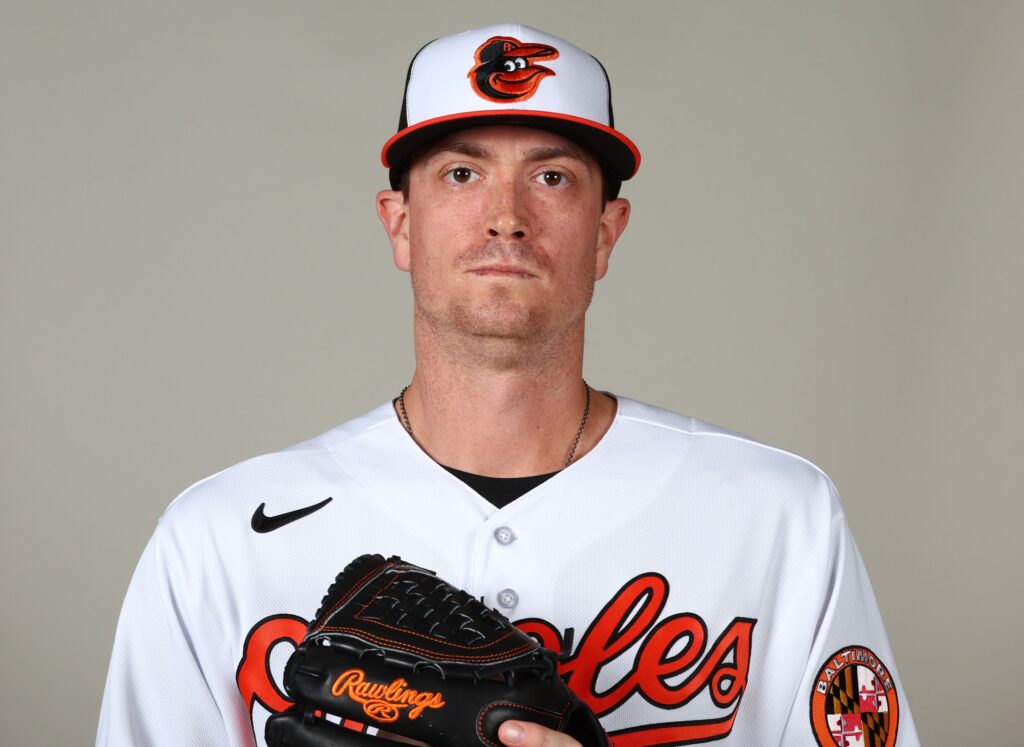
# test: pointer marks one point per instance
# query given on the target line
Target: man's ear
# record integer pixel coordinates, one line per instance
(394, 214)
(613, 223)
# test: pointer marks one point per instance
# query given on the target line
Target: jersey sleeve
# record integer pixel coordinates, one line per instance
(156, 691)
(850, 691)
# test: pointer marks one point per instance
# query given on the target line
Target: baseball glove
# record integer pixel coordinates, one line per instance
(395, 647)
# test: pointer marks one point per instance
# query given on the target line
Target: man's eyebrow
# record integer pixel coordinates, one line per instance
(538, 153)
(554, 152)
(458, 147)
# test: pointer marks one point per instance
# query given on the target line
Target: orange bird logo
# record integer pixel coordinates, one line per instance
(506, 69)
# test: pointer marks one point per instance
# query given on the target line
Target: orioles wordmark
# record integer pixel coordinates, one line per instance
(632, 626)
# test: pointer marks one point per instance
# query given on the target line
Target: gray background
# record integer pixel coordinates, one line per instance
(825, 253)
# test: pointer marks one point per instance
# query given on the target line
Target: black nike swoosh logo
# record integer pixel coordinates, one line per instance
(262, 523)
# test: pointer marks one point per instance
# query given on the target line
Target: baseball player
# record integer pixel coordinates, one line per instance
(701, 586)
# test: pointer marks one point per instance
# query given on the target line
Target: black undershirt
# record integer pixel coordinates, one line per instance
(500, 491)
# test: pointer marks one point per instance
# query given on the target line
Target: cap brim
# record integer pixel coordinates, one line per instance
(617, 154)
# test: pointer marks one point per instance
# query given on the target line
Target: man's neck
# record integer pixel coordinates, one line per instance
(504, 421)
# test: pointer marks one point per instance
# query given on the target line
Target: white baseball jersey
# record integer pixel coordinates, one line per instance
(706, 586)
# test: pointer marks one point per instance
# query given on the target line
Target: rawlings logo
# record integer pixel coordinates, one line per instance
(673, 662)
(383, 702)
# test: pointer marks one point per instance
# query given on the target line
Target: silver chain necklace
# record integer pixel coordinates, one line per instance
(575, 441)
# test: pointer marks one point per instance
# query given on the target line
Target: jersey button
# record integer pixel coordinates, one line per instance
(508, 598)
(504, 535)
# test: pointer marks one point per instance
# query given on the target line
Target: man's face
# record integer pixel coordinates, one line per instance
(504, 233)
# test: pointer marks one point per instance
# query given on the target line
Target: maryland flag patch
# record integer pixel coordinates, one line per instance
(854, 703)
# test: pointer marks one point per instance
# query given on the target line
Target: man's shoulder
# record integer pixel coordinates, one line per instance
(301, 467)
(635, 411)
(378, 417)
(725, 451)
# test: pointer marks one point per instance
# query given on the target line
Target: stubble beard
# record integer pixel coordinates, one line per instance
(499, 330)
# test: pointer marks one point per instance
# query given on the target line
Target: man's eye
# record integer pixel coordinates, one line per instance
(553, 178)
(460, 175)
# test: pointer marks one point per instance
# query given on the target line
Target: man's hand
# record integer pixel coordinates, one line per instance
(523, 734)
(512, 734)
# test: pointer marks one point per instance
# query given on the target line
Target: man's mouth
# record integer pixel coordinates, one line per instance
(508, 271)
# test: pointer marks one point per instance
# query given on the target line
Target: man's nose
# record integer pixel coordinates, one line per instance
(508, 218)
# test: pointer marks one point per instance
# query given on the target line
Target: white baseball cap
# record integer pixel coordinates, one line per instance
(509, 74)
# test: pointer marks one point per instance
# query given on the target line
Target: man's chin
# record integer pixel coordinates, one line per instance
(501, 320)
(510, 331)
